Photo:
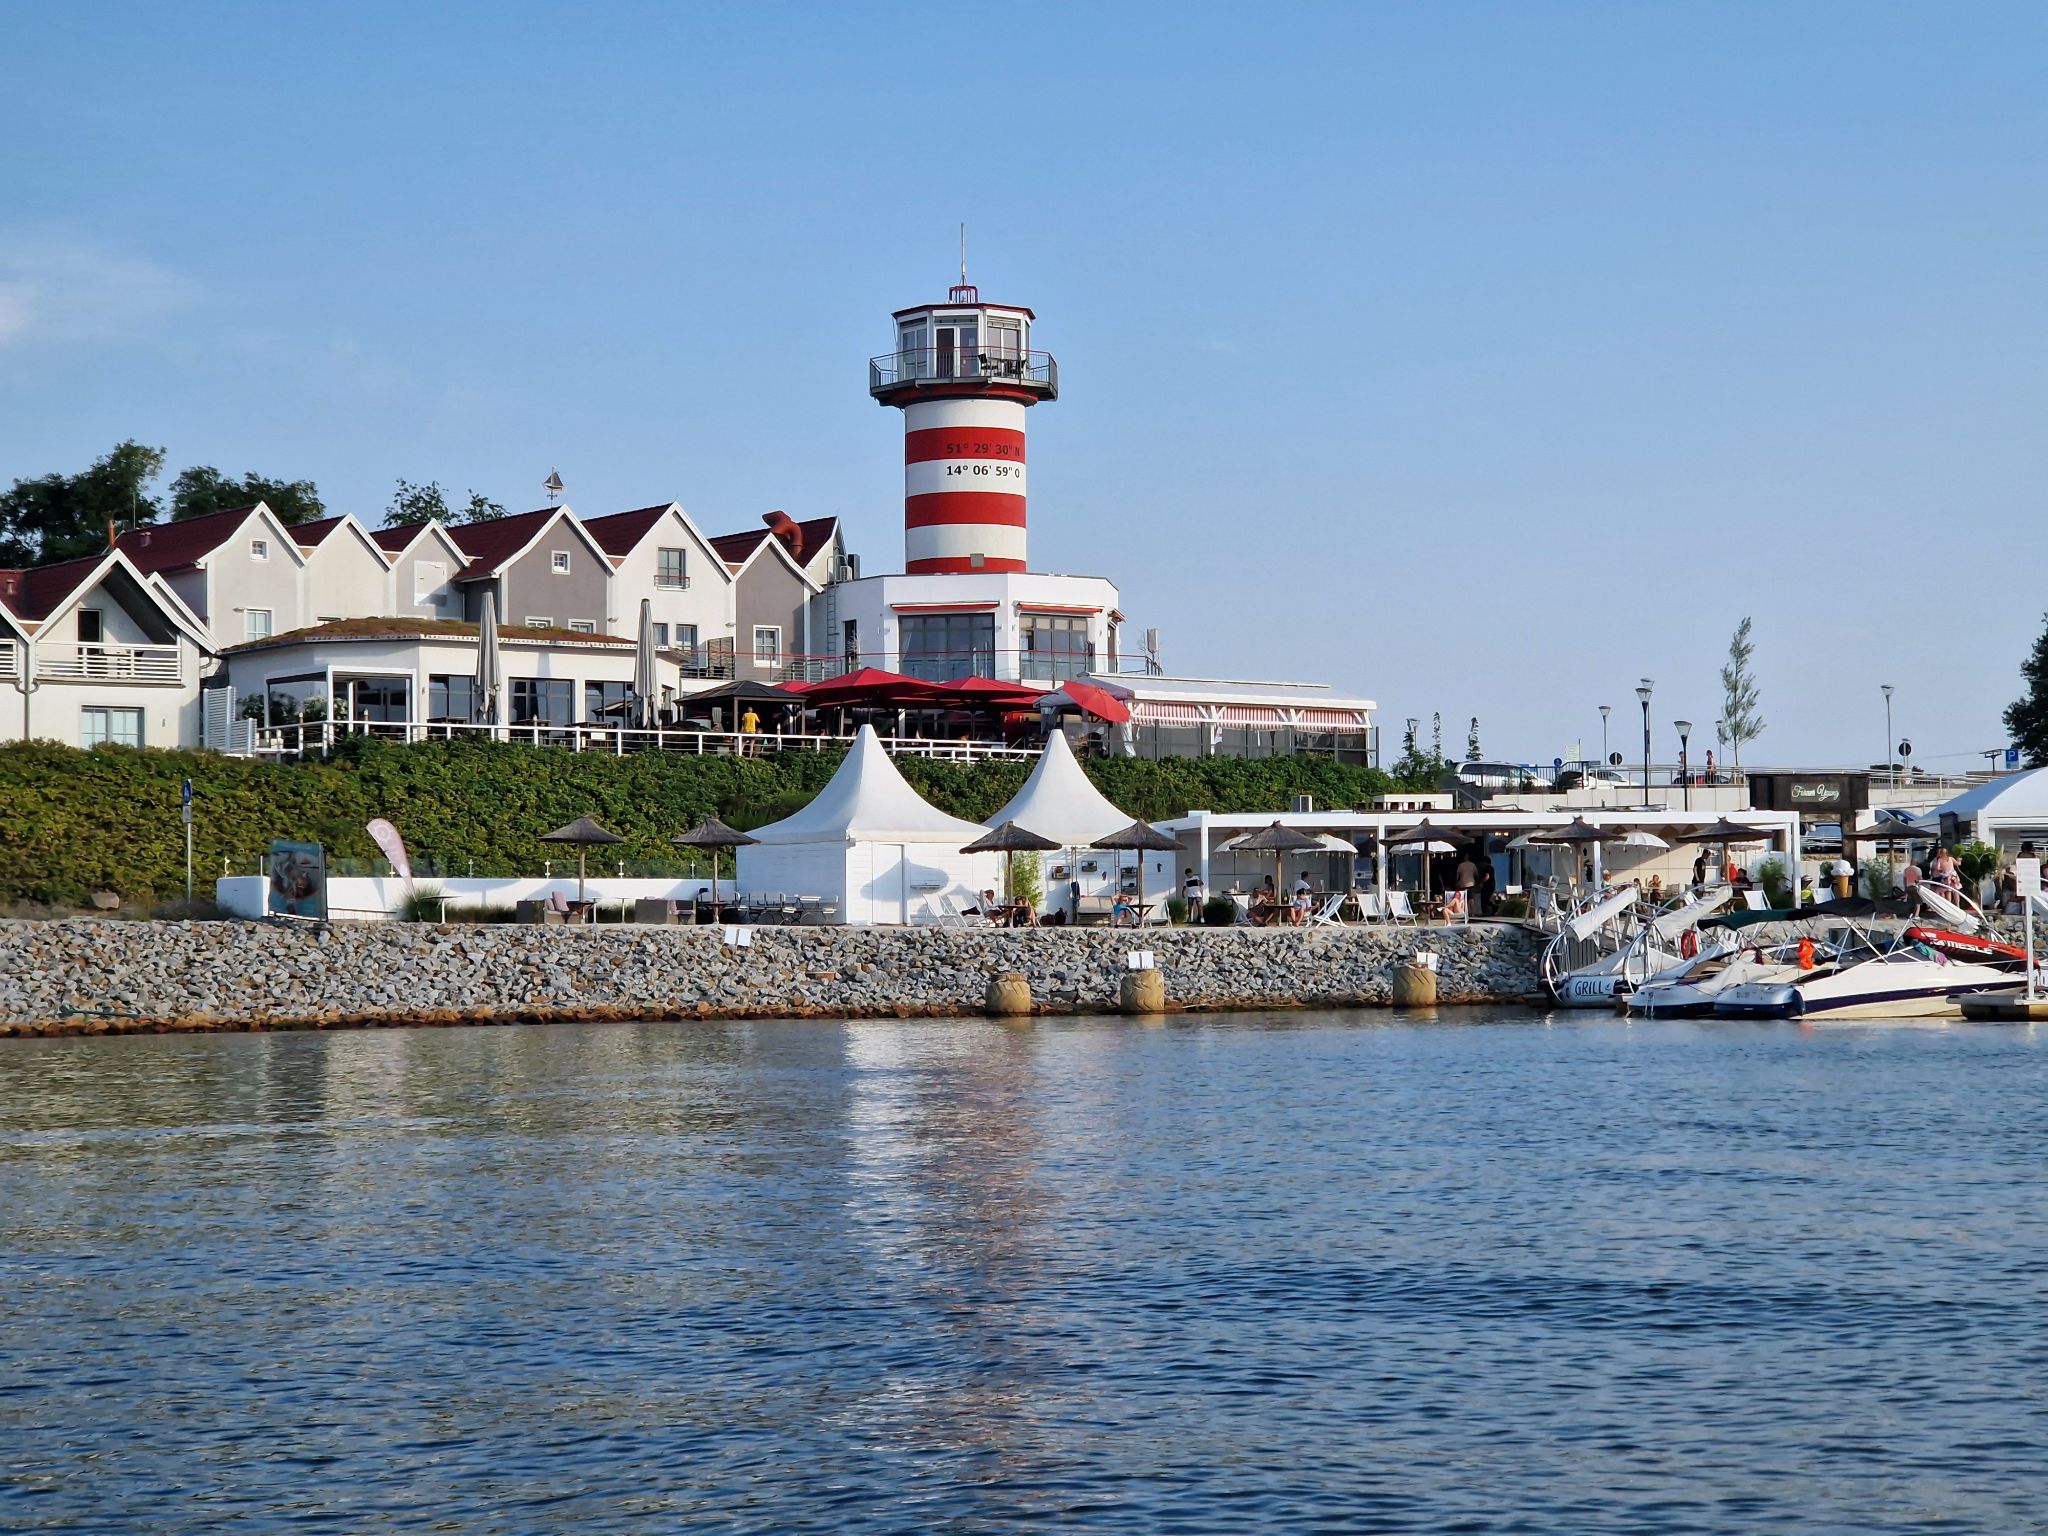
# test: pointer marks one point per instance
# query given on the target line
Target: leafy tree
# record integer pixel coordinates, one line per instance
(414, 504)
(2027, 718)
(202, 489)
(480, 509)
(1740, 721)
(1472, 741)
(1415, 768)
(61, 517)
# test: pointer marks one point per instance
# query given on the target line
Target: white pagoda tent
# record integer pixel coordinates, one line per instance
(1061, 802)
(873, 844)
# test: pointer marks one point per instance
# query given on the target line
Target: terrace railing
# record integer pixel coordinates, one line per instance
(108, 664)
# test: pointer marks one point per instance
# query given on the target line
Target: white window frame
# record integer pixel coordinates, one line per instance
(108, 711)
(583, 626)
(680, 582)
(773, 657)
(249, 623)
(538, 621)
(558, 561)
(661, 634)
(259, 549)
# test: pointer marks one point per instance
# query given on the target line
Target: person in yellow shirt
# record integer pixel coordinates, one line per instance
(750, 725)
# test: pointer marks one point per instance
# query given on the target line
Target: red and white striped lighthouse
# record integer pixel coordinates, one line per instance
(963, 373)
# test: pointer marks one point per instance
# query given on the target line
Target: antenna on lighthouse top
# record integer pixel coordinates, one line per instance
(964, 292)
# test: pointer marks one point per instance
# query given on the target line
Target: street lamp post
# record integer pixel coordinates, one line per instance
(1643, 694)
(1891, 773)
(1684, 759)
(1605, 711)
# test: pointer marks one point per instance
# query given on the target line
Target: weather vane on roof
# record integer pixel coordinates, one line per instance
(553, 486)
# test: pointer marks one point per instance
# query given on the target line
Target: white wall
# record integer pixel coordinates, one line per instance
(438, 553)
(707, 602)
(345, 578)
(873, 600)
(935, 872)
(238, 582)
(372, 898)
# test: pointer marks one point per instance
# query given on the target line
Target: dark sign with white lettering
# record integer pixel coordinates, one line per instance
(1810, 793)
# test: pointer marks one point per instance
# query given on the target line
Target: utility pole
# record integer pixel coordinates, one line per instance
(186, 809)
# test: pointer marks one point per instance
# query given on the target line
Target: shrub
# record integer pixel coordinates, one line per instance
(421, 904)
(1219, 912)
(1875, 878)
(1978, 862)
(1771, 876)
(1511, 906)
(1177, 910)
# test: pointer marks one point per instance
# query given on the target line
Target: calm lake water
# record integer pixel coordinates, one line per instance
(1296, 1273)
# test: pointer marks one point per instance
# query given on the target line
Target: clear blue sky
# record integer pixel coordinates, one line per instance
(1479, 358)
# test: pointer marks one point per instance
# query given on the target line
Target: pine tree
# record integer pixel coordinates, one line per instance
(2026, 719)
(1740, 721)
(1472, 742)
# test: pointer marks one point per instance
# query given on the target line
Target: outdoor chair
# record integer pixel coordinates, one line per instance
(1370, 909)
(1756, 901)
(1326, 916)
(1400, 909)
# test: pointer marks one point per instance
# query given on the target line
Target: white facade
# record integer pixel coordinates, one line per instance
(672, 565)
(249, 583)
(346, 576)
(1020, 626)
(423, 572)
(110, 663)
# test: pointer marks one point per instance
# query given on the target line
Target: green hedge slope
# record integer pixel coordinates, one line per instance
(74, 821)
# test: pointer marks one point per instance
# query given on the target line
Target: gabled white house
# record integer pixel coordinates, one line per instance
(241, 571)
(658, 554)
(425, 560)
(92, 652)
(347, 574)
(544, 568)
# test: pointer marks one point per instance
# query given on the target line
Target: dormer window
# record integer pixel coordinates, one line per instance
(259, 549)
(559, 561)
(669, 570)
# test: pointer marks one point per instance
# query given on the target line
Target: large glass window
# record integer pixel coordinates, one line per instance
(939, 647)
(451, 697)
(1056, 646)
(604, 703)
(382, 700)
(100, 727)
(543, 701)
(669, 569)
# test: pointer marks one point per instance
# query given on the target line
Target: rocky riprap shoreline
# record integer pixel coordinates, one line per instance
(112, 977)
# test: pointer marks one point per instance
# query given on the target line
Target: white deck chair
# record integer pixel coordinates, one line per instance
(1400, 909)
(1756, 901)
(1369, 908)
(1326, 916)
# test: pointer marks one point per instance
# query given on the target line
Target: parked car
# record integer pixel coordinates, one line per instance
(1701, 776)
(1590, 772)
(1494, 776)
(1822, 837)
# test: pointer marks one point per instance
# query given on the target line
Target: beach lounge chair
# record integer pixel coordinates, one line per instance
(1326, 916)
(1756, 901)
(1400, 909)
(1367, 904)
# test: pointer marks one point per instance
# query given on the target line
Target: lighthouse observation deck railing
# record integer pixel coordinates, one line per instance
(1034, 371)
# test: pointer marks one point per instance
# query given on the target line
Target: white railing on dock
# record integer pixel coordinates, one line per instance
(322, 735)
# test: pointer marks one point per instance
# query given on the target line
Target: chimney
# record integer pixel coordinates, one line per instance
(784, 527)
(113, 538)
(10, 584)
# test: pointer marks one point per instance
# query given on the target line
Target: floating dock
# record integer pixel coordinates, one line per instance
(2005, 1007)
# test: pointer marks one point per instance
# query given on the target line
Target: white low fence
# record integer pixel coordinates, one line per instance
(373, 897)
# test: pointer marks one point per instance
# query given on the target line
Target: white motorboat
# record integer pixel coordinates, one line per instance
(1615, 945)
(1911, 981)
(1690, 989)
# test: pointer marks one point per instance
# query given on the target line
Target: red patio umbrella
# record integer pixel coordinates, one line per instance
(870, 688)
(1099, 702)
(987, 693)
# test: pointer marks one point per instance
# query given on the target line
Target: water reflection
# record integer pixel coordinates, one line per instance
(1486, 1273)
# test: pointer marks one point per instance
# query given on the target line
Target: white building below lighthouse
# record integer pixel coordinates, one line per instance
(967, 603)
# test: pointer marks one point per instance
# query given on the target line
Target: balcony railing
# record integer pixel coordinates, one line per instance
(108, 664)
(1032, 371)
(1050, 667)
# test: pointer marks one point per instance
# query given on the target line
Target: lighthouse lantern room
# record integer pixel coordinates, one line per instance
(963, 374)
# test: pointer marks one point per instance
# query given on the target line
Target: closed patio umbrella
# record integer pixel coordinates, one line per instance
(1141, 838)
(490, 664)
(714, 834)
(585, 834)
(1009, 840)
(643, 667)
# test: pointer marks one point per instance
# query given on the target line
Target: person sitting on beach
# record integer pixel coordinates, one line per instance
(1304, 903)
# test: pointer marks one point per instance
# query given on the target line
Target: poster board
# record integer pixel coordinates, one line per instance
(298, 880)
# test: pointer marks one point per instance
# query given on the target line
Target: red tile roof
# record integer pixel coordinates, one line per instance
(35, 594)
(173, 546)
(813, 534)
(312, 535)
(396, 536)
(490, 545)
(619, 532)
